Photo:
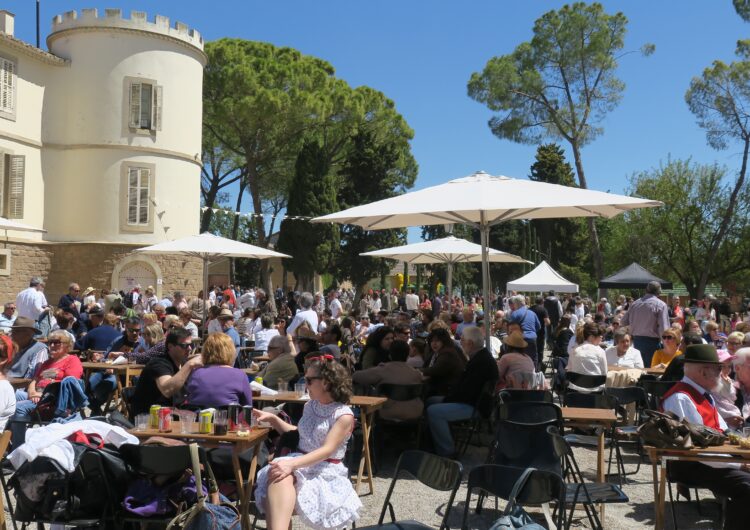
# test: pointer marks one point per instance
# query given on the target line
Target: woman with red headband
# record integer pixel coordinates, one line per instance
(7, 394)
(312, 481)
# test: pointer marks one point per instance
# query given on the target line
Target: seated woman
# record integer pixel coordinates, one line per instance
(217, 383)
(514, 361)
(670, 339)
(417, 348)
(7, 394)
(264, 335)
(153, 334)
(588, 357)
(377, 346)
(446, 364)
(312, 481)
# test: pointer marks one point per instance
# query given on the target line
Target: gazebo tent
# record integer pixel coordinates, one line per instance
(631, 277)
(543, 278)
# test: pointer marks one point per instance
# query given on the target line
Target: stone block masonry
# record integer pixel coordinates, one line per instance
(90, 264)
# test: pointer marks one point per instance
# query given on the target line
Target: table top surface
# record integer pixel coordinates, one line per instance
(653, 371)
(90, 365)
(726, 449)
(292, 397)
(256, 434)
(591, 415)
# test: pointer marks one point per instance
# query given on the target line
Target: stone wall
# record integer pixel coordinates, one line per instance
(89, 264)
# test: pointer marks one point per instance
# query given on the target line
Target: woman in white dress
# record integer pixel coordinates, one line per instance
(312, 481)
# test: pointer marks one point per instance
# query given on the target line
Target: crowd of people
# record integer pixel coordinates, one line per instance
(336, 341)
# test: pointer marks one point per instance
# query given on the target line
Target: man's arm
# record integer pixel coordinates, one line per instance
(171, 385)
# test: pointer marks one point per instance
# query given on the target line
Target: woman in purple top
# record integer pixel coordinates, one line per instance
(217, 383)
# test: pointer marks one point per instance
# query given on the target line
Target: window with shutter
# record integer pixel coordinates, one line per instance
(16, 169)
(145, 103)
(7, 87)
(138, 195)
(2, 184)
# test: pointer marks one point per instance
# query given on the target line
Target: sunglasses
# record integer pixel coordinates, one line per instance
(309, 380)
(132, 330)
(667, 337)
(187, 346)
(54, 343)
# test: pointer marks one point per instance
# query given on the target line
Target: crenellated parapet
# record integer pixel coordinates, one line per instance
(114, 19)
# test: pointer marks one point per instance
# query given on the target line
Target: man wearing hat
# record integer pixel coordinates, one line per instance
(690, 398)
(226, 319)
(30, 352)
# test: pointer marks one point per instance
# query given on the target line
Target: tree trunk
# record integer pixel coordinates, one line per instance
(254, 187)
(236, 227)
(210, 200)
(596, 248)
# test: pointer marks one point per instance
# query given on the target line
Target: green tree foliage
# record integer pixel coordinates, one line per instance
(560, 85)
(683, 240)
(560, 241)
(376, 167)
(743, 9)
(463, 273)
(312, 193)
(720, 99)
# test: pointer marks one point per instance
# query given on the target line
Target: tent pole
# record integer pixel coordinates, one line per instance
(484, 232)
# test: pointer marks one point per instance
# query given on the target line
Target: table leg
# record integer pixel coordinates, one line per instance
(365, 463)
(661, 500)
(245, 484)
(658, 515)
(600, 477)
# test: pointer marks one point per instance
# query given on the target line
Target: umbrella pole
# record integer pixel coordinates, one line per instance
(205, 291)
(449, 283)
(484, 232)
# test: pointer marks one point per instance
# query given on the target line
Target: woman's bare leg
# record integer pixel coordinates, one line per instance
(280, 504)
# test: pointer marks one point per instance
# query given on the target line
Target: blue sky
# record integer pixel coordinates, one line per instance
(420, 53)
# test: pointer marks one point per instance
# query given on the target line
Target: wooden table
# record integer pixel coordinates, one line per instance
(128, 370)
(652, 371)
(659, 457)
(239, 444)
(368, 405)
(19, 382)
(603, 418)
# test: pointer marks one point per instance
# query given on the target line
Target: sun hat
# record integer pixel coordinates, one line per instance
(88, 290)
(25, 323)
(515, 340)
(226, 313)
(725, 356)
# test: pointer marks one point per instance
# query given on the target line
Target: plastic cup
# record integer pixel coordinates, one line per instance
(746, 432)
(282, 386)
(220, 422)
(142, 421)
(187, 419)
(300, 389)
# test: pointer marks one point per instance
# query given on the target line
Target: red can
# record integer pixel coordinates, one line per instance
(165, 419)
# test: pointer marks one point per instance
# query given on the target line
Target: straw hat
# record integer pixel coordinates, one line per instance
(88, 290)
(515, 340)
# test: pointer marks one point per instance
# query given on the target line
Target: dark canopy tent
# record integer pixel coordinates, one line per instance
(631, 277)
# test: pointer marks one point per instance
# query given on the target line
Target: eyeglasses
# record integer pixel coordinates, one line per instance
(734, 342)
(54, 343)
(186, 346)
(309, 380)
(667, 337)
(134, 330)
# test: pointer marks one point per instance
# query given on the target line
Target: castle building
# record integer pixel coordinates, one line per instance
(100, 142)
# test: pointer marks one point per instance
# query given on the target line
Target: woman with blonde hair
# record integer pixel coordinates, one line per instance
(217, 383)
(153, 333)
(670, 339)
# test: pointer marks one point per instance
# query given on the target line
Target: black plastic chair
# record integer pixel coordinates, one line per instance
(509, 395)
(542, 487)
(245, 357)
(577, 490)
(632, 395)
(524, 445)
(431, 470)
(584, 380)
(530, 412)
(468, 429)
(655, 391)
(396, 392)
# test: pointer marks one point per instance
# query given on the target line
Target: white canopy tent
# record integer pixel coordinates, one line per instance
(482, 201)
(210, 249)
(543, 278)
(449, 250)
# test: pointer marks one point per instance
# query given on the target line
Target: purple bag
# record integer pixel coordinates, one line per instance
(145, 499)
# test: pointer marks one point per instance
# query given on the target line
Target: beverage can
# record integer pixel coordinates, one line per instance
(247, 415)
(234, 416)
(205, 422)
(165, 419)
(154, 416)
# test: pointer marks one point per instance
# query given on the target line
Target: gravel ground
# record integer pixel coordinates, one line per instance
(412, 500)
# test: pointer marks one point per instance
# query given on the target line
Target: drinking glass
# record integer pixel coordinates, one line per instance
(282, 385)
(142, 421)
(187, 419)
(220, 422)
(746, 432)
(300, 389)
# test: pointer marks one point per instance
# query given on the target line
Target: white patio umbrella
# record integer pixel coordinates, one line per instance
(449, 250)
(210, 249)
(482, 201)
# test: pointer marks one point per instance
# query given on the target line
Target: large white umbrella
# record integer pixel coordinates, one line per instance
(449, 250)
(482, 201)
(210, 248)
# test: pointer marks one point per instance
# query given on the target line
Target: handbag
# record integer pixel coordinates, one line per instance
(703, 436)
(665, 431)
(514, 517)
(205, 515)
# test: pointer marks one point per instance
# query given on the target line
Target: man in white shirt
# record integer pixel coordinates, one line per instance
(412, 301)
(31, 302)
(334, 305)
(622, 353)
(305, 314)
(690, 399)
(247, 300)
(8, 317)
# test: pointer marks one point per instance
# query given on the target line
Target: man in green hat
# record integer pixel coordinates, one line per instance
(690, 399)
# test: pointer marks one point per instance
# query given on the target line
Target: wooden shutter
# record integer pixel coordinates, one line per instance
(135, 106)
(3, 180)
(7, 83)
(143, 198)
(16, 179)
(133, 174)
(156, 109)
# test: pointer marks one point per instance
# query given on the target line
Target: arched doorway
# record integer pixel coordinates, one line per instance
(135, 273)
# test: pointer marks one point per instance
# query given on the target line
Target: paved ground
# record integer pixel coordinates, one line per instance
(414, 501)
